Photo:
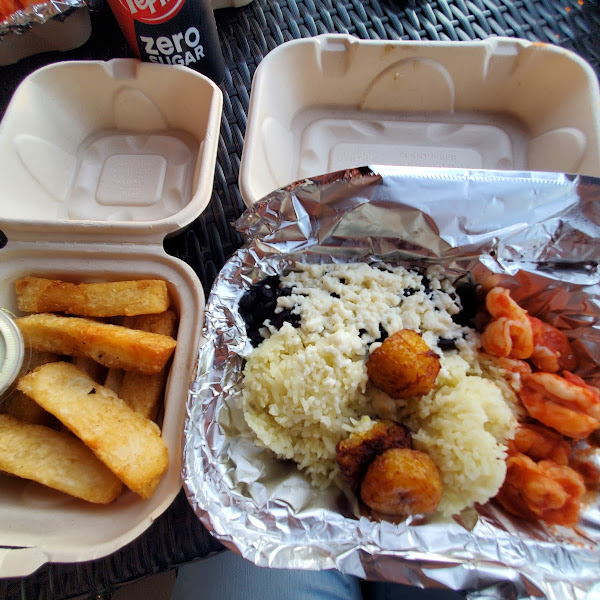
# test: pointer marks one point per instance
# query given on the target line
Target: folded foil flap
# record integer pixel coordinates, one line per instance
(435, 214)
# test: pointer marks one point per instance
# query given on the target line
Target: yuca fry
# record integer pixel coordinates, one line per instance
(127, 443)
(114, 375)
(55, 459)
(163, 323)
(114, 379)
(110, 345)
(38, 295)
(21, 406)
(140, 391)
(88, 365)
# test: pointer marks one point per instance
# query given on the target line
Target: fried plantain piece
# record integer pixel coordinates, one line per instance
(110, 299)
(402, 482)
(404, 365)
(357, 451)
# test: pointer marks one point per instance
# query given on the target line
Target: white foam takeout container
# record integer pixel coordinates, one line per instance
(333, 102)
(102, 161)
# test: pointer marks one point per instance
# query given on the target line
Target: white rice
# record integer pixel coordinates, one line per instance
(305, 389)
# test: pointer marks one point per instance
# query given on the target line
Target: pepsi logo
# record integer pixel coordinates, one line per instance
(152, 12)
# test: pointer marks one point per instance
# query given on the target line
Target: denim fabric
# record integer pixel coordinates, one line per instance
(226, 576)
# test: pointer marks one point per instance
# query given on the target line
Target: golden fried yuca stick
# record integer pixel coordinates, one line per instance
(56, 459)
(22, 407)
(110, 345)
(127, 443)
(114, 379)
(141, 391)
(114, 375)
(16, 403)
(163, 323)
(88, 365)
(37, 359)
(38, 295)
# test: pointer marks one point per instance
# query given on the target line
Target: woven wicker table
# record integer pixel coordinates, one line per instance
(247, 35)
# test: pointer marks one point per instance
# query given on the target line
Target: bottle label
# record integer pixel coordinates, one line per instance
(172, 32)
(173, 47)
(152, 12)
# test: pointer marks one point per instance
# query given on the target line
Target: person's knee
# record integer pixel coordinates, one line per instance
(227, 576)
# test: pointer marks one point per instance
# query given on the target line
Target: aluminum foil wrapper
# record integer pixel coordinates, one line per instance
(538, 232)
(21, 20)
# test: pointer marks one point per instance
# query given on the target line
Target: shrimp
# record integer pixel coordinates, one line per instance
(542, 490)
(509, 334)
(572, 390)
(552, 351)
(514, 366)
(402, 482)
(576, 380)
(563, 404)
(539, 442)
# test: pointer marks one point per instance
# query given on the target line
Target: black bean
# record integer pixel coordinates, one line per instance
(468, 299)
(426, 281)
(446, 344)
(285, 316)
(258, 304)
(383, 334)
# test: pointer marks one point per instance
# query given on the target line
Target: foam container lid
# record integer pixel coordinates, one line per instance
(105, 161)
(124, 146)
(333, 102)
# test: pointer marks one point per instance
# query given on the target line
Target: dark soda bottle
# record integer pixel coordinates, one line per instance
(172, 32)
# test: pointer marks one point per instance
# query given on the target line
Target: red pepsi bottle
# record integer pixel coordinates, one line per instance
(172, 32)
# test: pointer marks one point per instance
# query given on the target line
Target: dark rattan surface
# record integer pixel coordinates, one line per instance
(247, 35)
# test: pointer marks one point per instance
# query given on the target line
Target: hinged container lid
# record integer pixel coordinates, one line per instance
(335, 102)
(120, 150)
